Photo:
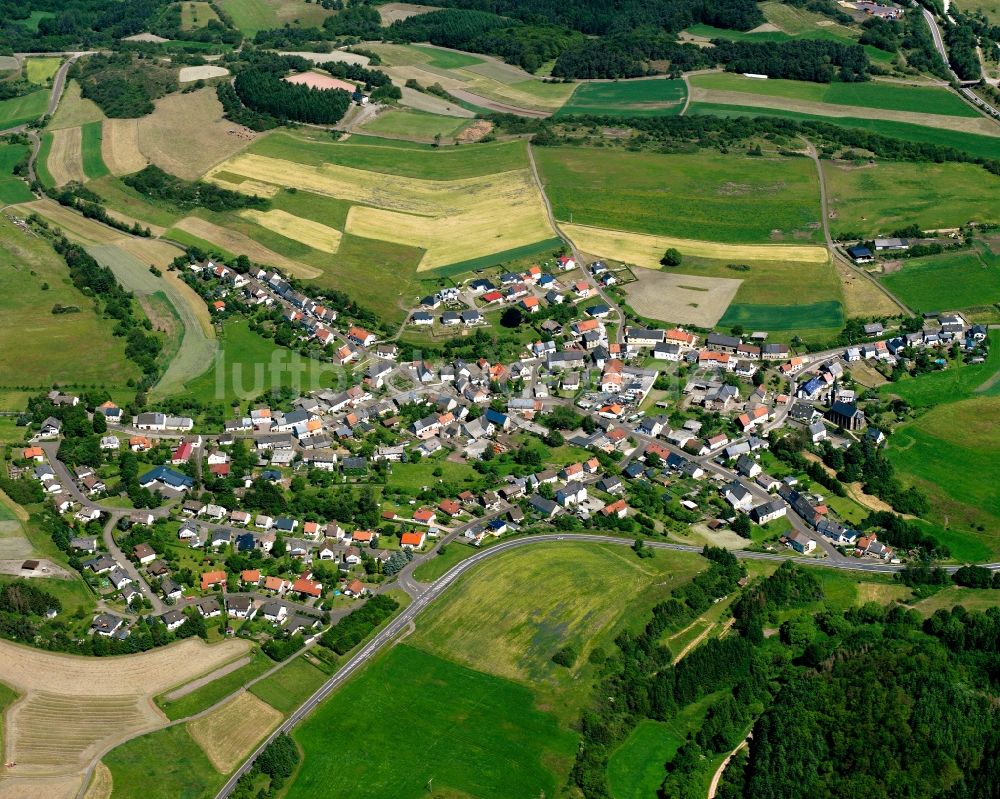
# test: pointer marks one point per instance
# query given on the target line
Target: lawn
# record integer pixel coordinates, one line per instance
(975, 144)
(291, 685)
(876, 199)
(630, 98)
(12, 189)
(417, 125)
(93, 162)
(41, 70)
(412, 477)
(439, 564)
(704, 195)
(19, 110)
(950, 454)
(39, 348)
(947, 282)
(871, 94)
(636, 769)
(385, 156)
(470, 733)
(162, 765)
(214, 692)
(532, 602)
(250, 364)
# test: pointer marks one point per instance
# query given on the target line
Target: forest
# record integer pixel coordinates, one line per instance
(73, 24)
(154, 182)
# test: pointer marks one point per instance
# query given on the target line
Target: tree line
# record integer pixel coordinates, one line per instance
(185, 194)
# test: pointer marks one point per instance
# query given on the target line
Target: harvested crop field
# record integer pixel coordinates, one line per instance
(66, 157)
(186, 135)
(862, 297)
(453, 220)
(230, 733)
(390, 12)
(120, 146)
(239, 244)
(75, 226)
(317, 80)
(318, 236)
(682, 299)
(336, 55)
(645, 250)
(204, 72)
(74, 110)
(419, 101)
(74, 707)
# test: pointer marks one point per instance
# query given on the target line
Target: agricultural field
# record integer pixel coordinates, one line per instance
(682, 298)
(74, 110)
(186, 135)
(193, 698)
(120, 146)
(875, 199)
(90, 146)
(459, 717)
(38, 348)
(734, 199)
(809, 321)
(950, 453)
(390, 12)
(65, 161)
(231, 732)
(991, 8)
(452, 220)
(478, 79)
(415, 125)
(12, 189)
(196, 15)
(291, 685)
(73, 706)
(41, 70)
(950, 281)
(538, 601)
(648, 97)
(983, 144)
(19, 110)
(871, 94)
(251, 16)
(167, 764)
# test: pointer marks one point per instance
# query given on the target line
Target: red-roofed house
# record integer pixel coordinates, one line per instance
(307, 587)
(424, 516)
(617, 508)
(209, 579)
(250, 576)
(413, 540)
(450, 507)
(530, 304)
(355, 588)
(361, 337)
(36, 454)
(182, 454)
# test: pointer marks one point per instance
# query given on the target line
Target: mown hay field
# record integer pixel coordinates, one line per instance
(453, 220)
(120, 146)
(647, 250)
(74, 110)
(229, 733)
(681, 298)
(876, 199)
(186, 135)
(733, 198)
(536, 602)
(415, 125)
(73, 707)
(251, 16)
(314, 234)
(65, 162)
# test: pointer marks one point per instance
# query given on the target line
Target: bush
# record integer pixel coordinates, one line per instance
(566, 657)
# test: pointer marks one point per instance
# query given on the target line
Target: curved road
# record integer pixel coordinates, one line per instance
(401, 622)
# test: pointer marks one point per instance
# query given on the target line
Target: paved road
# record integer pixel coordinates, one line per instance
(403, 620)
(159, 607)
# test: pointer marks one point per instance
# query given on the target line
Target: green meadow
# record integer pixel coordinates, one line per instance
(972, 143)
(871, 94)
(704, 195)
(12, 189)
(948, 282)
(627, 98)
(19, 110)
(167, 764)
(807, 320)
(417, 125)
(448, 59)
(93, 163)
(952, 384)
(875, 199)
(470, 733)
(950, 453)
